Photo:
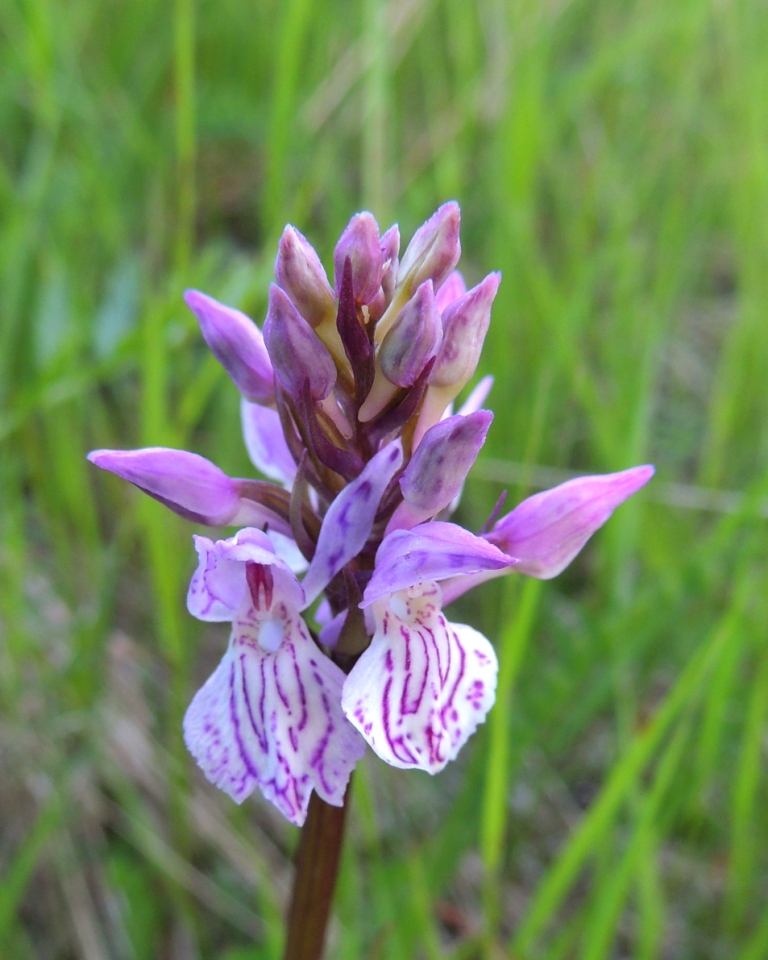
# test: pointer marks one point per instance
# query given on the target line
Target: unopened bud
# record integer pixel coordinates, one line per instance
(300, 273)
(453, 288)
(434, 249)
(238, 345)
(443, 459)
(297, 353)
(389, 244)
(413, 339)
(360, 242)
(465, 324)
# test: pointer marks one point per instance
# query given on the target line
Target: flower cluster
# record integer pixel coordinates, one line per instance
(347, 406)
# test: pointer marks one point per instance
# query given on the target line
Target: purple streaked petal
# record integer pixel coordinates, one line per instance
(453, 288)
(273, 720)
(431, 551)
(424, 684)
(219, 584)
(237, 343)
(266, 444)
(546, 531)
(189, 484)
(349, 520)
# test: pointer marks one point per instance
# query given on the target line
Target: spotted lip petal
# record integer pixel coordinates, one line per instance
(273, 720)
(423, 686)
(270, 716)
(430, 551)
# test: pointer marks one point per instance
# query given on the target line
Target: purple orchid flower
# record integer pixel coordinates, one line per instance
(348, 410)
(270, 715)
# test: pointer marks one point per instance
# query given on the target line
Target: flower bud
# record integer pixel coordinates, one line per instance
(413, 339)
(300, 273)
(389, 244)
(453, 288)
(439, 466)
(187, 483)
(465, 324)
(360, 242)
(238, 345)
(297, 353)
(434, 249)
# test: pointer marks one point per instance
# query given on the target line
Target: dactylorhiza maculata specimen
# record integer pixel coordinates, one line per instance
(347, 405)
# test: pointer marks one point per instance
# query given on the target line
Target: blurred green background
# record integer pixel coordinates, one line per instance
(611, 159)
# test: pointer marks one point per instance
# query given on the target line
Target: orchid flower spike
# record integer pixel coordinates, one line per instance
(347, 408)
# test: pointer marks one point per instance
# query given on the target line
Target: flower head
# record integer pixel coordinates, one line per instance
(347, 409)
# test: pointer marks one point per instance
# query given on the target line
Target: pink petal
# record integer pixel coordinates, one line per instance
(453, 287)
(238, 345)
(188, 484)
(423, 686)
(266, 444)
(546, 531)
(431, 551)
(274, 721)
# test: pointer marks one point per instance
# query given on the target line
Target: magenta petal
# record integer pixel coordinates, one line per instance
(546, 531)
(273, 720)
(237, 344)
(189, 484)
(265, 443)
(349, 520)
(423, 686)
(431, 551)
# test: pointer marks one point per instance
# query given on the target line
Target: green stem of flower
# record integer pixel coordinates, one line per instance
(317, 866)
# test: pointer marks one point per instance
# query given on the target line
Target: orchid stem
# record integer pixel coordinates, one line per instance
(317, 867)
